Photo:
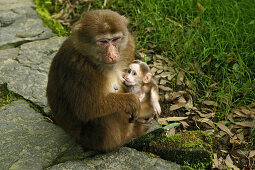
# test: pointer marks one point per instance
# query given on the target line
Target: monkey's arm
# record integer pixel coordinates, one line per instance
(109, 104)
(155, 101)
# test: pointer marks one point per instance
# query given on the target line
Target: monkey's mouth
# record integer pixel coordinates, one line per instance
(127, 82)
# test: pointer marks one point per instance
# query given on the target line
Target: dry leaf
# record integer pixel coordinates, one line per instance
(240, 136)
(246, 111)
(164, 88)
(172, 119)
(213, 85)
(200, 7)
(229, 163)
(210, 103)
(171, 132)
(208, 121)
(207, 62)
(162, 121)
(238, 113)
(184, 124)
(209, 115)
(176, 106)
(175, 95)
(230, 59)
(246, 124)
(180, 78)
(189, 104)
(182, 100)
(198, 68)
(215, 160)
(174, 22)
(252, 154)
(225, 129)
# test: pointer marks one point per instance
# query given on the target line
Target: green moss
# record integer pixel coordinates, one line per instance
(6, 96)
(192, 149)
(42, 7)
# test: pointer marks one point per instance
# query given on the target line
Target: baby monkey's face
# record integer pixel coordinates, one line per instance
(133, 75)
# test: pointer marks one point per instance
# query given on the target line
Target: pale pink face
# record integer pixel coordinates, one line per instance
(133, 76)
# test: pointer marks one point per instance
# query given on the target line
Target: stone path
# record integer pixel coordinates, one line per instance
(28, 139)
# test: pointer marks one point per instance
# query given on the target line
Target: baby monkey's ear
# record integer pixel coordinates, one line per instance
(147, 78)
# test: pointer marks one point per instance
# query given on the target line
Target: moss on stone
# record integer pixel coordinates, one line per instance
(191, 149)
(42, 7)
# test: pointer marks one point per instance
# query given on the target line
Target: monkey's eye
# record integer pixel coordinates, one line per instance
(129, 71)
(102, 42)
(134, 73)
(115, 40)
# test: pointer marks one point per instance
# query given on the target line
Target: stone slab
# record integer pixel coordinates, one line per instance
(20, 23)
(25, 69)
(28, 140)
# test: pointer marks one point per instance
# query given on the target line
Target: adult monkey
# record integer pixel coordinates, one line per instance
(84, 89)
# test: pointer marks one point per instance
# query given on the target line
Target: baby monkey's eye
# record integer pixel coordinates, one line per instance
(134, 73)
(129, 71)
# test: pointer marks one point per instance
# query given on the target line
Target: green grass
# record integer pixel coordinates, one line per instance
(224, 32)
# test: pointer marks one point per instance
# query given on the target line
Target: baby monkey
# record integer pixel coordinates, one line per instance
(138, 79)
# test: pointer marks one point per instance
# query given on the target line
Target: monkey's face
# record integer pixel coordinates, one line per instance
(101, 36)
(133, 75)
(108, 48)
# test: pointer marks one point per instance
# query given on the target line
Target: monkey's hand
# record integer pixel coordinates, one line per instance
(157, 109)
(133, 106)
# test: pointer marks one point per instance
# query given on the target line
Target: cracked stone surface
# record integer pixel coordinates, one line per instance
(28, 140)
(124, 158)
(20, 23)
(25, 69)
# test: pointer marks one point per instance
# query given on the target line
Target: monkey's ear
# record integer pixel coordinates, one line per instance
(125, 20)
(76, 26)
(147, 78)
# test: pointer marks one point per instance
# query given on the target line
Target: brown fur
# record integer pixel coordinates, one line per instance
(150, 89)
(80, 87)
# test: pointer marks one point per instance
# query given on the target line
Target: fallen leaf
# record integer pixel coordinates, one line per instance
(225, 129)
(180, 78)
(171, 132)
(200, 7)
(164, 88)
(176, 106)
(215, 160)
(208, 121)
(230, 59)
(153, 70)
(209, 115)
(246, 124)
(213, 85)
(238, 113)
(207, 62)
(173, 118)
(175, 95)
(184, 124)
(198, 68)
(162, 121)
(210, 103)
(240, 136)
(235, 143)
(229, 163)
(246, 111)
(174, 22)
(252, 153)
(189, 104)
(182, 100)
